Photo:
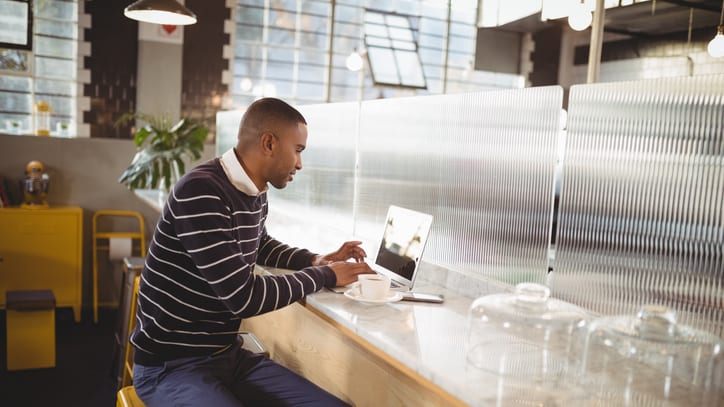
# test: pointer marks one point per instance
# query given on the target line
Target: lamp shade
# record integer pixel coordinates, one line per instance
(580, 17)
(168, 12)
(716, 45)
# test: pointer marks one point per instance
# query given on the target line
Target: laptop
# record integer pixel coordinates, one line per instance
(403, 240)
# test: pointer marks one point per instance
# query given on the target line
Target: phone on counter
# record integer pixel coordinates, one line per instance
(422, 297)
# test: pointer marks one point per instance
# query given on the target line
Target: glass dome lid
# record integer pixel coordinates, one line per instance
(656, 324)
(530, 303)
(650, 356)
(525, 334)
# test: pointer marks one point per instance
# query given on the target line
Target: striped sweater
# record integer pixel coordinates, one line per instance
(198, 281)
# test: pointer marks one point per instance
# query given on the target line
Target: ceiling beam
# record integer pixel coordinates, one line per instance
(627, 32)
(693, 4)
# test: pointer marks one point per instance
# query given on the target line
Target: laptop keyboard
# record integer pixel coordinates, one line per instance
(393, 283)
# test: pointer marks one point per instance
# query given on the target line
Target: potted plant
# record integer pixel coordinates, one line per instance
(163, 147)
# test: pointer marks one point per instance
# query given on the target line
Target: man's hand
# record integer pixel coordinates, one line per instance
(349, 250)
(347, 272)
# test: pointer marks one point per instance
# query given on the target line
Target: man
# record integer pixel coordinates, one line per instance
(198, 281)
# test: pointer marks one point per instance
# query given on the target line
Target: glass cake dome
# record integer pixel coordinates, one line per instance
(651, 359)
(526, 334)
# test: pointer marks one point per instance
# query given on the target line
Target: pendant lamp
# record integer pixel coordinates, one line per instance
(354, 61)
(580, 17)
(716, 45)
(167, 12)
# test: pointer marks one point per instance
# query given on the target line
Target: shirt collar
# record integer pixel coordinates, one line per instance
(236, 174)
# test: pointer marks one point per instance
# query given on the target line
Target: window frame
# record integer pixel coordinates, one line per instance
(28, 46)
(372, 44)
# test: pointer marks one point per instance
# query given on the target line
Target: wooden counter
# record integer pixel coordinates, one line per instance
(315, 346)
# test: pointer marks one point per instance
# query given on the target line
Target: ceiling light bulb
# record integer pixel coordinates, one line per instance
(580, 17)
(246, 84)
(354, 61)
(716, 45)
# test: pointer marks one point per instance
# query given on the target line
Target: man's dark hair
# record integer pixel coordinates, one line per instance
(265, 114)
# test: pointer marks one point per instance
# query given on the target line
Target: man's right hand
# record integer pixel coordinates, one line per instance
(347, 272)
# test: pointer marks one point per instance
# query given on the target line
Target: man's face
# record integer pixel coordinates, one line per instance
(287, 150)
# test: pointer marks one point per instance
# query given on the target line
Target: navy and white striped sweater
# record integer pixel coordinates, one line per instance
(198, 280)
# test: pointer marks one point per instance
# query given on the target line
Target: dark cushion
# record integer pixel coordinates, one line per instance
(28, 300)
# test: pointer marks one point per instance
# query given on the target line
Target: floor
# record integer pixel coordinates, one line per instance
(84, 374)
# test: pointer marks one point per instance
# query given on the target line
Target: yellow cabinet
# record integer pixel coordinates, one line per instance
(43, 249)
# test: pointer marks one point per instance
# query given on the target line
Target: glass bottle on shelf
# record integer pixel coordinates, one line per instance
(42, 118)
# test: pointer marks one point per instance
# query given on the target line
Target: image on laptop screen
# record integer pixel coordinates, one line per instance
(403, 241)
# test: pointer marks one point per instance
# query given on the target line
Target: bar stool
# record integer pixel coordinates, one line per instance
(30, 329)
(132, 267)
(126, 378)
(127, 397)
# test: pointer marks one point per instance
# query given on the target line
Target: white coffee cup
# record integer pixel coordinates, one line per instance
(373, 286)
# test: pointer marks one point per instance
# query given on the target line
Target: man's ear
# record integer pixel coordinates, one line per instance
(267, 142)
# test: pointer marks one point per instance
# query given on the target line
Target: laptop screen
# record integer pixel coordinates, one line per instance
(403, 240)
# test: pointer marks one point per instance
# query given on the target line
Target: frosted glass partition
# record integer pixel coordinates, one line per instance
(481, 163)
(641, 216)
(320, 199)
(323, 192)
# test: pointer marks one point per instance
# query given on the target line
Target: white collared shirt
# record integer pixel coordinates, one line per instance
(236, 174)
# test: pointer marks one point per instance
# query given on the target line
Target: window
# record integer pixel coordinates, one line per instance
(281, 49)
(296, 49)
(392, 51)
(16, 20)
(47, 73)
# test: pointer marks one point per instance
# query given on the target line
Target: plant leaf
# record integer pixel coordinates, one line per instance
(162, 149)
(141, 135)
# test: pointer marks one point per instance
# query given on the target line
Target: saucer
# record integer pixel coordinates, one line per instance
(353, 293)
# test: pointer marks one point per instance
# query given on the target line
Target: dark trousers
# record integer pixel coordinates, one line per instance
(235, 378)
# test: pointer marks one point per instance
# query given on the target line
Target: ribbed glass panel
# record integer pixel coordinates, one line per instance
(481, 163)
(323, 191)
(641, 216)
